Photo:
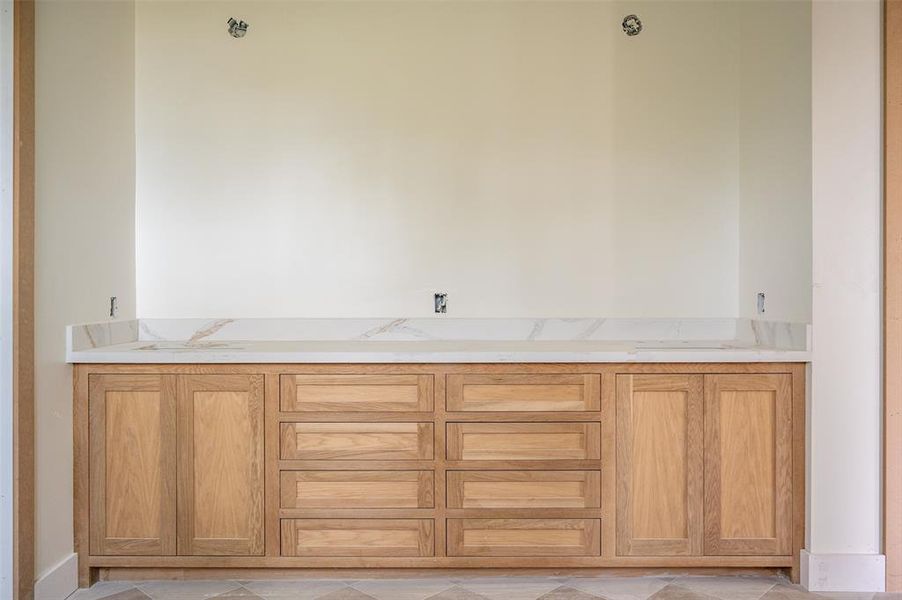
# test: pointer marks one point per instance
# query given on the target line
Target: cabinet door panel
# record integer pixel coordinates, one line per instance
(521, 392)
(132, 439)
(748, 464)
(220, 464)
(524, 441)
(659, 465)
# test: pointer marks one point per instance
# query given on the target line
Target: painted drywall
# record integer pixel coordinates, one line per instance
(85, 221)
(775, 160)
(350, 158)
(845, 423)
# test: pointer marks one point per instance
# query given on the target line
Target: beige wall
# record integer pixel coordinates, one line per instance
(350, 158)
(775, 159)
(845, 422)
(85, 221)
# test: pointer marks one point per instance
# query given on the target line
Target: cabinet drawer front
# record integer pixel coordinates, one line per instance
(356, 393)
(524, 537)
(524, 441)
(357, 441)
(475, 392)
(524, 489)
(357, 489)
(358, 537)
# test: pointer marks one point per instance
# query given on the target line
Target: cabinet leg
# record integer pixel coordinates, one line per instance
(86, 575)
(795, 571)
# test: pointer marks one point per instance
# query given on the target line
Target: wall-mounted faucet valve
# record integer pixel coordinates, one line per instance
(237, 29)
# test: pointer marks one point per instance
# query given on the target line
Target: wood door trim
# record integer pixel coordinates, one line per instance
(23, 300)
(892, 294)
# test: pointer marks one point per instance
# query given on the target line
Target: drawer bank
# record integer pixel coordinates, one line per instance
(438, 466)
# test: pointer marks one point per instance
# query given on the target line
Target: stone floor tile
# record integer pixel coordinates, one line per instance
(346, 593)
(402, 589)
(620, 588)
(730, 588)
(186, 590)
(537, 579)
(132, 594)
(457, 593)
(294, 589)
(511, 588)
(241, 593)
(675, 592)
(102, 589)
(473, 588)
(568, 593)
(790, 592)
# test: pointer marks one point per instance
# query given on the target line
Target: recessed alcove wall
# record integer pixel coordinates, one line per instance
(528, 158)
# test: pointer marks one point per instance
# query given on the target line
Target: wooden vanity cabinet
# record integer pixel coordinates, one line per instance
(458, 466)
(176, 464)
(704, 465)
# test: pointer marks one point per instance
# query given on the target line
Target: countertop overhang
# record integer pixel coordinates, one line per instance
(437, 340)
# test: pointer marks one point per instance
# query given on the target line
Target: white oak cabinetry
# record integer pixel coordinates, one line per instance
(439, 466)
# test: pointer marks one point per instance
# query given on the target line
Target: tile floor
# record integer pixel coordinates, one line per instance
(487, 588)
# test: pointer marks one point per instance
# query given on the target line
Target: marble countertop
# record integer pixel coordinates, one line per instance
(440, 340)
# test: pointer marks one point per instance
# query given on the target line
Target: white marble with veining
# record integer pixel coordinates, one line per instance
(98, 335)
(436, 329)
(437, 340)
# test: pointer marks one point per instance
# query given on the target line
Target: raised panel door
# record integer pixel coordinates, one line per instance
(659, 465)
(132, 464)
(220, 460)
(748, 464)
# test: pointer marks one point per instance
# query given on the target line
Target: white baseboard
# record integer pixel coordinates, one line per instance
(843, 572)
(59, 582)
